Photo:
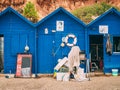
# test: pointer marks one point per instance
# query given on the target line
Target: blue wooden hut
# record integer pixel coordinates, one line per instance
(51, 39)
(15, 32)
(52, 31)
(104, 27)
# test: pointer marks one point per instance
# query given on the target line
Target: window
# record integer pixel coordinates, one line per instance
(116, 44)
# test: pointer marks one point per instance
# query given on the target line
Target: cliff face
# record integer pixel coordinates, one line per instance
(44, 7)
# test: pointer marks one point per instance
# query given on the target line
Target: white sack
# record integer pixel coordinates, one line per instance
(73, 57)
(80, 76)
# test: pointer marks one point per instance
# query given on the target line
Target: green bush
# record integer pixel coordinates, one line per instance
(30, 12)
(86, 13)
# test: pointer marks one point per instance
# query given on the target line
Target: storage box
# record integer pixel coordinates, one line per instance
(115, 72)
(60, 76)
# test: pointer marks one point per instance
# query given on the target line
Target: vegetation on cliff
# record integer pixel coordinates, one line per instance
(88, 13)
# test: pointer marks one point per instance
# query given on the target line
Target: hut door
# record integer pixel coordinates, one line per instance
(45, 57)
(1, 53)
(96, 52)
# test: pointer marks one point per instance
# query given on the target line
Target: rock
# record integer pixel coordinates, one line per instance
(44, 7)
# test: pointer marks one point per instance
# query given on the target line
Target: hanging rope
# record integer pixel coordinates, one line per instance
(56, 50)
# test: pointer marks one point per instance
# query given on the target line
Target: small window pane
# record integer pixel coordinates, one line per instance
(116, 44)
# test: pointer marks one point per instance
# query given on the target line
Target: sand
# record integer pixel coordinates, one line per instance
(49, 83)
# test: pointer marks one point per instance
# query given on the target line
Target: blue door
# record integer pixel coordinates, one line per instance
(45, 54)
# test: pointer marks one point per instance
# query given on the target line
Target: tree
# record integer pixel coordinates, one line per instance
(30, 12)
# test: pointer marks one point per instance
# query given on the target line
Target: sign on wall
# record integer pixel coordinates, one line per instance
(103, 29)
(60, 26)
(24, 62)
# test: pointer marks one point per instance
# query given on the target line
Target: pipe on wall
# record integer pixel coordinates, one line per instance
(36, 56)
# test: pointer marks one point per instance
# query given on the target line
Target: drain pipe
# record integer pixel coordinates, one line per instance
(36, 56)
(86, 42)
(87, 52)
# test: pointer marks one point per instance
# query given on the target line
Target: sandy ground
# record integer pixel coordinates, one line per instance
(48, 83)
